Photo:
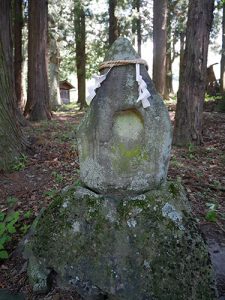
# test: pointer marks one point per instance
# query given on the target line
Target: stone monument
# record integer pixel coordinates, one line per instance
(126, 234)
(124, 147)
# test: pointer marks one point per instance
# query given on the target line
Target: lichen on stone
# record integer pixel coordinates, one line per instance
(123, 248)
(170, 212)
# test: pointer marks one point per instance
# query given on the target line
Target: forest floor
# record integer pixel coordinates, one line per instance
(52, 164)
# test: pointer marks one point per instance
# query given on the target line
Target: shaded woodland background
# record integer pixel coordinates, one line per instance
(56, 39)
(42, 43)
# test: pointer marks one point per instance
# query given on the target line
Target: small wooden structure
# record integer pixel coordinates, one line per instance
(212, 84)
(65, 88)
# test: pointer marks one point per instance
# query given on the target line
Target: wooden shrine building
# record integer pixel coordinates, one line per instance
(65, 88)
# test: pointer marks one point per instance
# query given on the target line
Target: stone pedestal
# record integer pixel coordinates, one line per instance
(145, 247)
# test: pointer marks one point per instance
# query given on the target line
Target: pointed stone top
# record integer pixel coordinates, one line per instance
(121, 49)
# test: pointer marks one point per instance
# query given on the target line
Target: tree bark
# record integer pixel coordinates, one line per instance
(11, 144)
(6, 32)
(159, 44)
(37, 106)
(190, 97)
(222, 64)
(169, 76)
(80, 38)
(7, 44)
(18, 57)
(54, 62)
(113, 23)
(182, 48)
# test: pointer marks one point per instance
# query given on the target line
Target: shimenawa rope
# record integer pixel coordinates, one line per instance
(142, 86)
(116, 63)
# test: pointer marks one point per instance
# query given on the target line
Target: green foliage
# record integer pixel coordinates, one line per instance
(221, 105)
(212, 213)
(216, 27)
(3, 254)
(11, 201)
(219, 4)
(77, 183)
(211, 216)
(62, 30)
(70, 107)
(10, 224)
(191, 151)
(58, 177)
(24, 228)
(177, 20)
(175, 163)
(51, 193)
(27, 214)
(19, 164)
(173, 189)
(7, 228)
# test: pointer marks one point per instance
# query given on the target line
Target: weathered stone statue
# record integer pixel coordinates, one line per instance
(124, 148)
(127, 234)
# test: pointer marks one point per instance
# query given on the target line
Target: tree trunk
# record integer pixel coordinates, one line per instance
(136, 25)
(169, 76)
(80, 38)
(54, 60)
(222, 70)
(11, 144)
(113, 24)
(159, 44)
(18, 57)
(7, 44)
(6, 34)
(139, 27)
(190, 97)
(182, 48)
(37, 107)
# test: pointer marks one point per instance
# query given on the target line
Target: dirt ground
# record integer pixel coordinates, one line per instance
(52, 164)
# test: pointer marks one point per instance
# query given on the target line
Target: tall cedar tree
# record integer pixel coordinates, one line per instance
(159, 44)
(136, 23)
(113, 22)
(170, 50)
(190, 97)
(222, 75)
(168, 87)
(37, 106)
(80, 39)
(18, 57)
(54, 63)
(11, 144)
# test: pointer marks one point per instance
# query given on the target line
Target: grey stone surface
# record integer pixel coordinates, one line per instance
(123, 147)
(148, 248)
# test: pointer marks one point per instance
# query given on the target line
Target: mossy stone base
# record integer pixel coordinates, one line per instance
(145, 247)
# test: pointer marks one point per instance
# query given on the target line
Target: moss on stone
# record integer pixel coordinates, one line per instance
(129, 249)
(125, 160)
(174, 190)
